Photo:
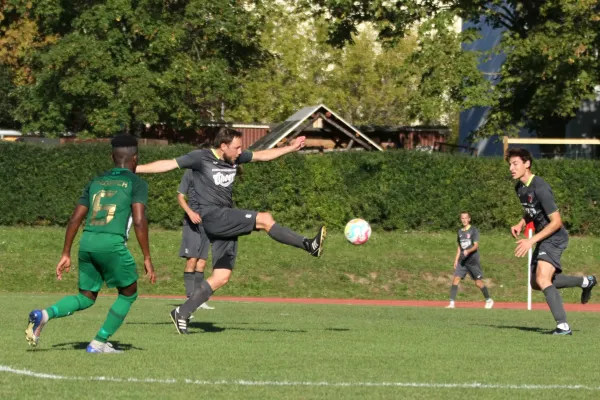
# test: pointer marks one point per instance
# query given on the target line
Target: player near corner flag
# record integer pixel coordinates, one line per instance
(550, 238)
(109, 204)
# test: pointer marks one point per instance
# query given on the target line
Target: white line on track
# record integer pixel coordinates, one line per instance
(241, 382)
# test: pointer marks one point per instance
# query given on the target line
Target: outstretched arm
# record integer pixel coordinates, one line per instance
(271, 154)
(156, 167)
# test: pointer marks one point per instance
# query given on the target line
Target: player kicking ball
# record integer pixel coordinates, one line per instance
(214, 174)
(108, 202)
(467, 260)
(550, 239)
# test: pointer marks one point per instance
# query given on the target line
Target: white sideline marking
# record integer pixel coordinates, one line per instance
(241, 382)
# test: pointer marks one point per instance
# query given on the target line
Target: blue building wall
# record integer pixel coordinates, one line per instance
(585, 124)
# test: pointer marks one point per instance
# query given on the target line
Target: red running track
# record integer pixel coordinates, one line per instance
(592, 307)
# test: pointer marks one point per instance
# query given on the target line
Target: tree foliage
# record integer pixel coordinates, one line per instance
(365, 82)
(550, 47)
(102, 67)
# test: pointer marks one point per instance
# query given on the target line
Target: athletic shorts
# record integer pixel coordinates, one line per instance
(116, 268)
(223, 226)
(225, 223)
(474, 271)
(194, 242)
(549, 252)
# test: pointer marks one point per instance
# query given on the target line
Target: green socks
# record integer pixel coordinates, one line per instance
(115, 317)
(68, 305)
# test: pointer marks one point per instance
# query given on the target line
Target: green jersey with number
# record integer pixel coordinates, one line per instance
(109, 198)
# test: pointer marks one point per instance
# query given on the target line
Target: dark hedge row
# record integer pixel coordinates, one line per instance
(392, 190)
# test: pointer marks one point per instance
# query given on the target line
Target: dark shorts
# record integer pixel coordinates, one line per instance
(194, 242)
(473, 269)
(549, 252)
(223, 226)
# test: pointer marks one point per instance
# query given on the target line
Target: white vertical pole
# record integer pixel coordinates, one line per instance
(529, 235)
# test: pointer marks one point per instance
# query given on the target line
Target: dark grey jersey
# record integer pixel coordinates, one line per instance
(213, 178)
(186, 187)
(538, 203)
(466, 240)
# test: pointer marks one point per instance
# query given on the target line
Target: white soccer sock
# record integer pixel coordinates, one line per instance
(564, 326)
(586, 282)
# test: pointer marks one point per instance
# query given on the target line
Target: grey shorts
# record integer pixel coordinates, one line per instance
(228, 223)
(549, 252)
(223, 226)
(474, 271)
(194, 242)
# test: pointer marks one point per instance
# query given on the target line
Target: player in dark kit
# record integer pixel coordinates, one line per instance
(214, 174)
(108, 203)
(467, 260)
(551, 238)
(194, 242)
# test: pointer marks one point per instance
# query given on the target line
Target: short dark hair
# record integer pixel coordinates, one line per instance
(124, 141)
(523, 154)
(465, 212)
(225, 136)
(124, 147)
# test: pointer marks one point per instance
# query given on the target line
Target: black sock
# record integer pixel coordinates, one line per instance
(453, 291)
(565, 281)
(188, 281)
(286, 236)
(485, 292)
(556, 304)
(200, 295)
(198, 278)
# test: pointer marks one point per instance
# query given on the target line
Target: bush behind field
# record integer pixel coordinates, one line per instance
(406, 190)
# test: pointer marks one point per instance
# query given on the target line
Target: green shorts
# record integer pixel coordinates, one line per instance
(117, 268)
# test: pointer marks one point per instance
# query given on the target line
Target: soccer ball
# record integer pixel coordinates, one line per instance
(357, 231)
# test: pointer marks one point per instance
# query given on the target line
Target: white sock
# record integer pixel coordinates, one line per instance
(488, 300)
(451, 301)
(44, 316)
(586, 282)
(564, 326)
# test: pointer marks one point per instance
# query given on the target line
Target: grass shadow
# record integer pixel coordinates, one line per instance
(533, 329)
(68, 346)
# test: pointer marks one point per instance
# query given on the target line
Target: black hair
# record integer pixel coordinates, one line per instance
(124, 148)
(124, 141)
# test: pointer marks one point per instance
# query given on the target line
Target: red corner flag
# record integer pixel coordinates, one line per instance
(529, 229)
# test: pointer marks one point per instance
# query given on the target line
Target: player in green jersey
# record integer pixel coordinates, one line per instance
(109, 204)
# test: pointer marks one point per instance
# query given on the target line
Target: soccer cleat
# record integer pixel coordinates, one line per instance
(179, 322)
(315, 246)
(205, 306)
(96, 346)
(37, 321)
(451, 305)
(562, 332)
(489, 303)
(586, 293)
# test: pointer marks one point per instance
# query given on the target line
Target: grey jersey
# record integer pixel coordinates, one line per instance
(213, 178)
(538, 203)
(186, 187)
(466, 240)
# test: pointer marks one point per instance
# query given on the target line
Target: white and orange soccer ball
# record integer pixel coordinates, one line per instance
(357, 231)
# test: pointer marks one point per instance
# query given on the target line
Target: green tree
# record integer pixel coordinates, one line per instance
(550, 47)
(365, 82)
(122, 64)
